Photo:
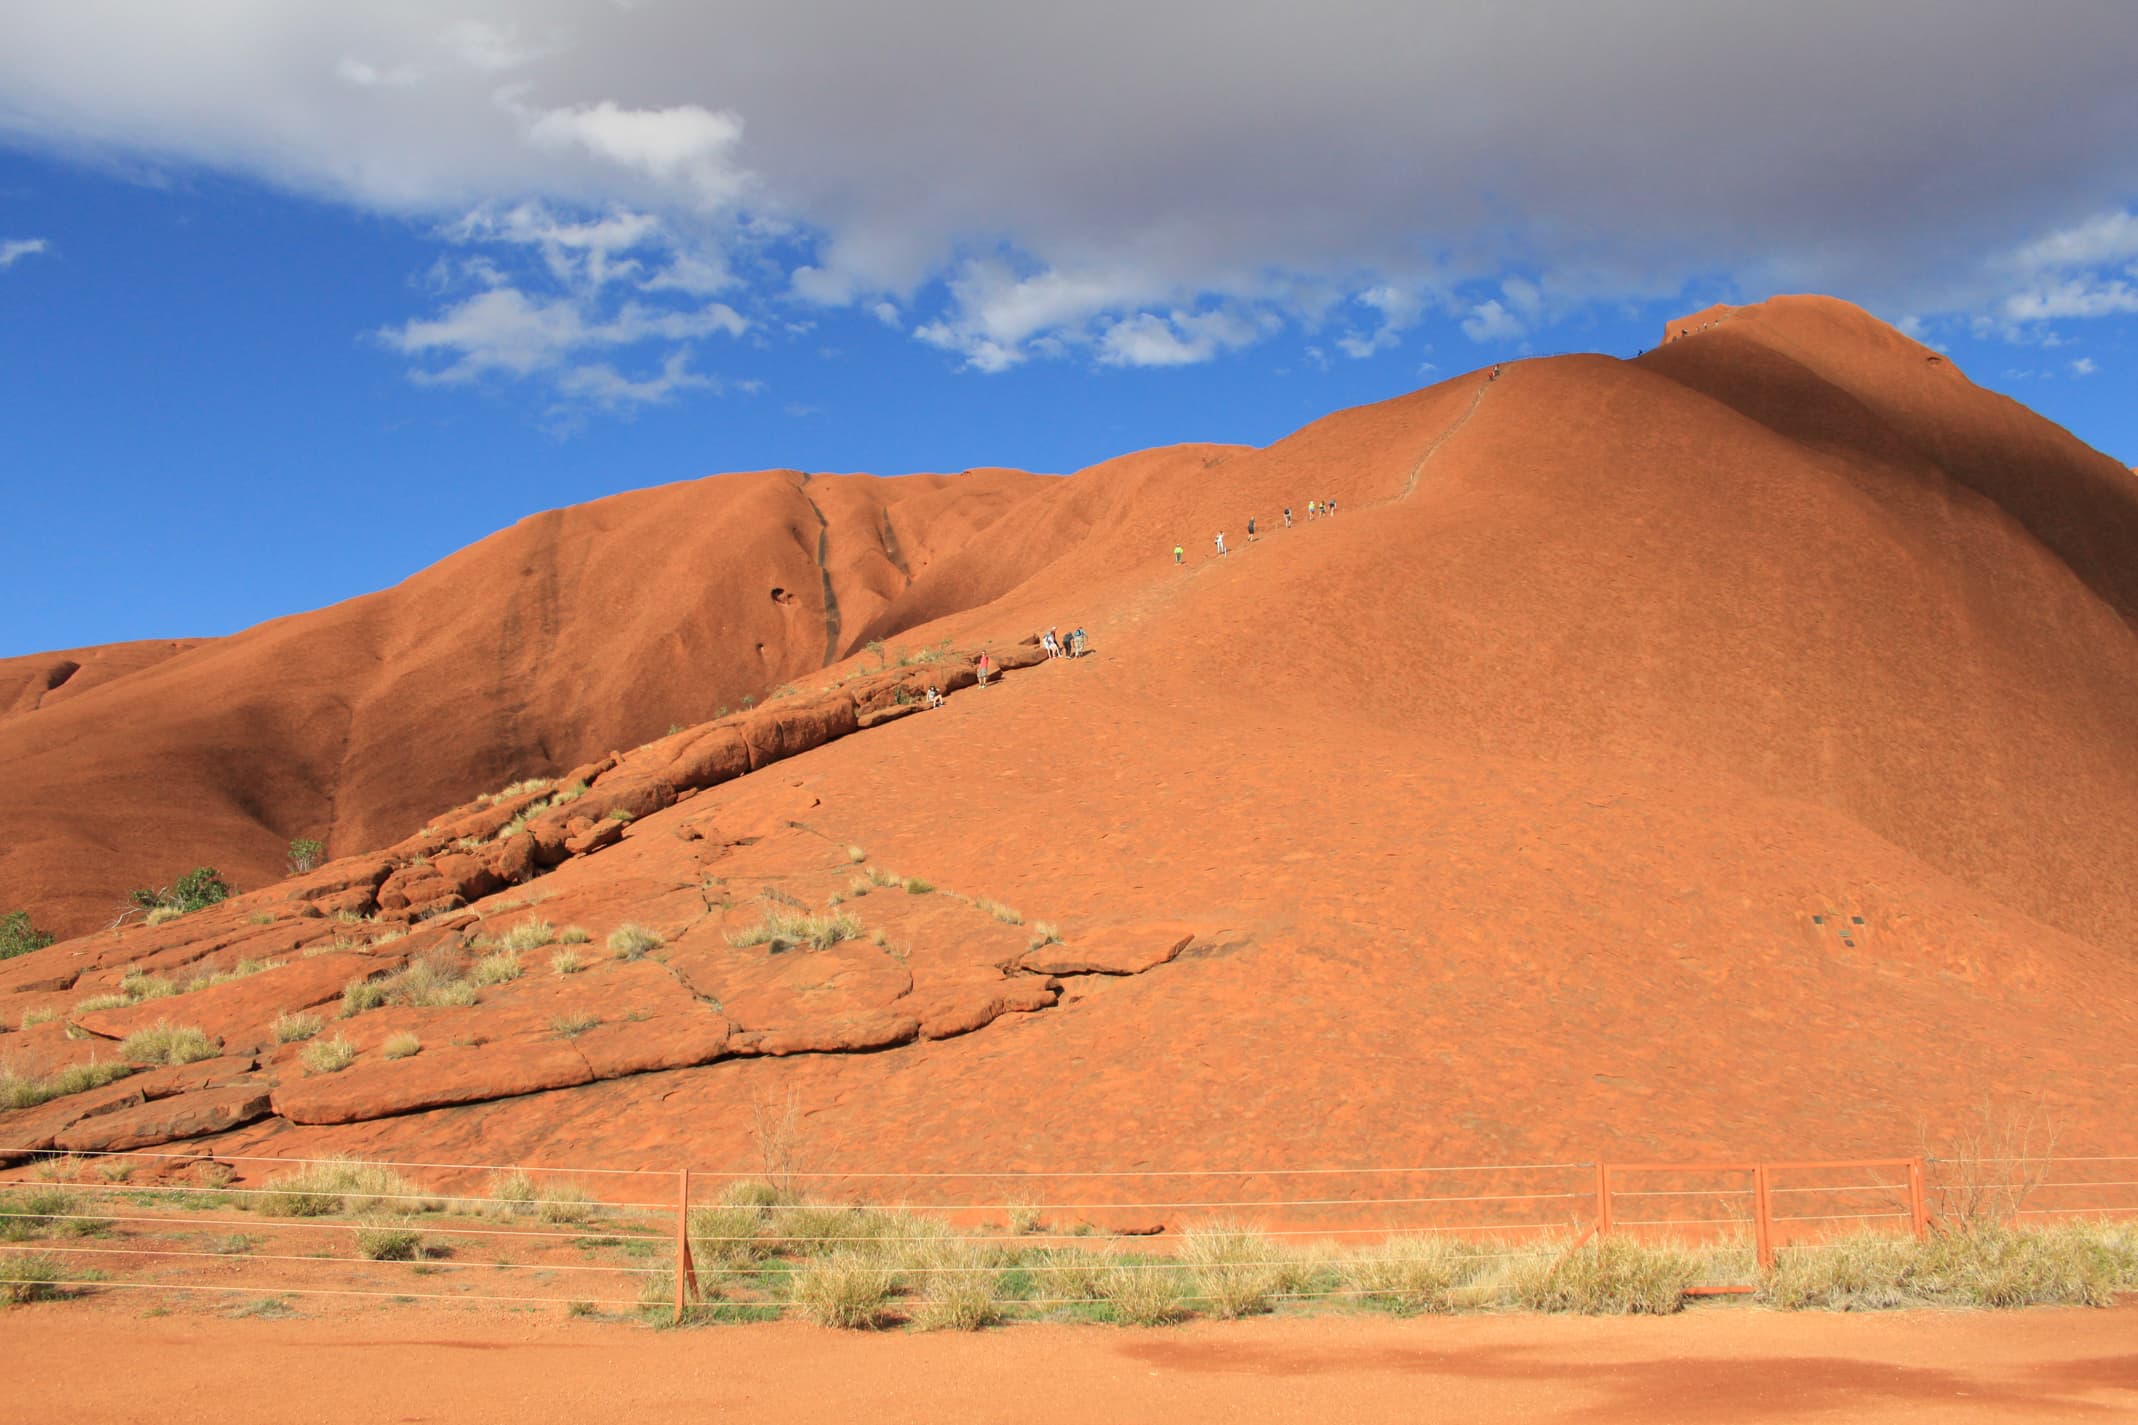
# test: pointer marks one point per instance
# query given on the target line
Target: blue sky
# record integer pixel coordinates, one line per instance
(296, 299)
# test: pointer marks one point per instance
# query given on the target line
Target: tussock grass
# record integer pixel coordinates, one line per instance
(1418, 1274)
(1610, 1277)
(783, 929)
(855, 855)
(427, 983)
(567, 962)
(342, 1185)
(31, 1018)
(848, 1289)
(1234, 1268)
(42, 1211)
(530, 934)
(30, 1090)
(728, 1234)
(1980, 1264)
(295, 1027)
(138, 985)
(403, 1045)
(96, 1002)
(630, 941)
(565, 1202)
(572, 1023)
(516, 789)
(961, 1286)
(166, 1043)
(328, 1056)
(1008, 915)
(389, 1244)
(1144, 1293)
(496, 968)
(163, 915)
(1044, 933)
(574, 935)
(29, 1278)
(915, 886)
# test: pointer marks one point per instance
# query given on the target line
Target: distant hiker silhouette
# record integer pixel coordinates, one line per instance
(1250, 531)
(1180, 556)
(1287, 516)
(1221, 541)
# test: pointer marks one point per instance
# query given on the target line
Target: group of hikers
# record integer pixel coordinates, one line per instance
(1316, 509)
(1075, 645)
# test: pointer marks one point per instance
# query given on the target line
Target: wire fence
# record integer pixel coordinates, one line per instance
(748, 1242)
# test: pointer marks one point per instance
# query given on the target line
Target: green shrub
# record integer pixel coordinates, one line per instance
(166, 1043)
(18, 936)
(24, 1215)
(197, 889)
(306, 854)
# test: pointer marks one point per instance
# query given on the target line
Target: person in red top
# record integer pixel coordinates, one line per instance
(985, 665)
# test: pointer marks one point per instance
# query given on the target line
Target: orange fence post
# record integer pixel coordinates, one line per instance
(1762, 1218)
(1603, 1199)
(1918, 1198)
(686, 1272)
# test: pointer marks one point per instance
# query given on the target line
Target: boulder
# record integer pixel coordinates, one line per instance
(593, 838)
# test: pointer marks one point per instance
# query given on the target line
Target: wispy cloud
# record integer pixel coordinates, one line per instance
(14, 250)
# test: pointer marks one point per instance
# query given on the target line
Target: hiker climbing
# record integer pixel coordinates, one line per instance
(1180, 555)
(982, 666)
(1048, 645)
(935, 697)
(1250, 529)
(1221, 541)
(1076, 642)
(1495, 372)
(1287, 516)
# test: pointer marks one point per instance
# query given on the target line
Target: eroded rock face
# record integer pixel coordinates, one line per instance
(1124, 950)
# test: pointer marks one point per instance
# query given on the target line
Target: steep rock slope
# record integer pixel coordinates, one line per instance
(573, 632)
(1636, 763)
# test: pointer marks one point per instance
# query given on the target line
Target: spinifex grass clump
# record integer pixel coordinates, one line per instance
(30, 1090)
(849, 1288)
(1144, 1293)
(1234, 1269)
(342, 1185)
(785, 929)
(1417, 1274)
(1612, 1276)
(166, 1043)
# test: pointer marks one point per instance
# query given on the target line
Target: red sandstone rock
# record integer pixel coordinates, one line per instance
(1126, 950)
(167, 1120)
(433, 1079)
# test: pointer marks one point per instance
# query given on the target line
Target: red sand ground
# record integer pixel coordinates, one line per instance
(418, 1364)
(1496, 811)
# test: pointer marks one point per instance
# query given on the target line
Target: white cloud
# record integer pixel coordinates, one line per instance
(502, 329)
(1179, 339)
(14, 250)
(600, 382)
(2084, 366)
(685, 148)
(1024, 184)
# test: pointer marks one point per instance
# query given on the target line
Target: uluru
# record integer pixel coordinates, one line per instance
(1721, 751)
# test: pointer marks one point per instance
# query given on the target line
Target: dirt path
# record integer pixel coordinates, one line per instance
(421, 1364)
